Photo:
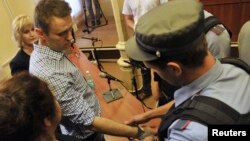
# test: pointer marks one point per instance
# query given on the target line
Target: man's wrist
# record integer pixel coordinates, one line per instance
(140, 132)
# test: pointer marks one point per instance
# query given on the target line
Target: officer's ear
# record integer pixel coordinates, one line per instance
(174, 68)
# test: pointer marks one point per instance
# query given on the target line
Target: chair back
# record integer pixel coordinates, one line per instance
(244, 43)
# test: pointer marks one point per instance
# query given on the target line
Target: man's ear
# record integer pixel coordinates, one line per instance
(47, 122)
(40, 33)
(174, 68)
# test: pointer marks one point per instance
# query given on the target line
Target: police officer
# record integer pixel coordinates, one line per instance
(173, 44)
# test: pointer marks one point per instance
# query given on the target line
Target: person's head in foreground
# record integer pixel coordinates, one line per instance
(172, 43)
(28, 110)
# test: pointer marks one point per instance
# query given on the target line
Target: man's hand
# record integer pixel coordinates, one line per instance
(137, 119)
(151, 138)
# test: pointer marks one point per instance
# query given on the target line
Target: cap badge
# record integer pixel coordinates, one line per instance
(158, 53)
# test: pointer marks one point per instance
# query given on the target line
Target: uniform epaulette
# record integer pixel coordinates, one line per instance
(181, 124)
(212, 24)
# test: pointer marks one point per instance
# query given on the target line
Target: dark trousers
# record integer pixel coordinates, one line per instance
(95, 137)
(146, 76)
(146, 80)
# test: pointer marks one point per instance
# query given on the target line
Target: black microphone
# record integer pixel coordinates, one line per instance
(135, 65)
(72, 41)
(92, 39)
(108, 76)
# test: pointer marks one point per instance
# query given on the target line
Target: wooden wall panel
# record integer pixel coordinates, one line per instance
(245, 11)
(233, 13)
(219, 2)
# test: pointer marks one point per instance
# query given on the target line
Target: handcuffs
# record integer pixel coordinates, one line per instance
(141, 134)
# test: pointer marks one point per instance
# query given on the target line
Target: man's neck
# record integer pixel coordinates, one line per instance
(192, 74)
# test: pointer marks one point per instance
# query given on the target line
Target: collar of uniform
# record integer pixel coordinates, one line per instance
(48, 52)
(198, 85)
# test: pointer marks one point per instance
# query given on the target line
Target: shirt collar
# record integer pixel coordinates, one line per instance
(48, 51)
(199, 84)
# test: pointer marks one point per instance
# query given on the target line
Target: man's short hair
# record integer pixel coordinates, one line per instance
(45, 9)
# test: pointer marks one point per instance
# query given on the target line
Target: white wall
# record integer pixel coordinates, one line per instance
(107, 7)
(9, 9)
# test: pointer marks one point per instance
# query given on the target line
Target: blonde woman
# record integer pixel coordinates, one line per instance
(24, 35)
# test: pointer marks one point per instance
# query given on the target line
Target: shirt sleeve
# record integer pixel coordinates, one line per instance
(71, 98)
(126, 8)
(192, 131)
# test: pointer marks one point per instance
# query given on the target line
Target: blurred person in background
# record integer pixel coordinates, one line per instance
(132, 11)
(25, 36)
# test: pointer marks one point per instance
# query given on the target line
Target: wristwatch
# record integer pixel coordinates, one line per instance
(140, 132)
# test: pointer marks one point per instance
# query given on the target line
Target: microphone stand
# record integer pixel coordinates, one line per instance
(89, 29)
(112, 94)
(102, 15)
(85, 17)
(94, 52)
(134, 66)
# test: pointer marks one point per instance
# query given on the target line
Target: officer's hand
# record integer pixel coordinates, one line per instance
(150, 138)
(137, 119)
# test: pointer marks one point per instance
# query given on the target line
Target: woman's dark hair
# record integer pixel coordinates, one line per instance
(25, 102)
